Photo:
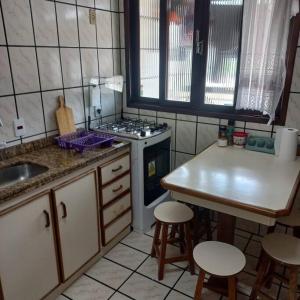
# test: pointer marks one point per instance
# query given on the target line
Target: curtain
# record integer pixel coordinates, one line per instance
(263, 51)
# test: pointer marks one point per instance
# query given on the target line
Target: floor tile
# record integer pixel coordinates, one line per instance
(150, 269)
(240, 242)
(109, 273)
(126, 256)
(138, 241)
(253, 248)
(177, 296)
(251, 263)
(86, 288)
(119, 296)
(140, 287)
(187, 285)
(151, 231)
(175, 251)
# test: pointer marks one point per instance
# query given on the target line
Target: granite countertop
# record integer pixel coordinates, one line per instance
(60, 163)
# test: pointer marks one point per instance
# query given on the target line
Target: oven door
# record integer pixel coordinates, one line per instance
(156, 166)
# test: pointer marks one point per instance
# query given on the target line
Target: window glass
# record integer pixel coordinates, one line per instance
(223, 51)
(149, 48)
(180, 30)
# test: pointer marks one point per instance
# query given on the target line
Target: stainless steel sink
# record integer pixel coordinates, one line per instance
(19, 172)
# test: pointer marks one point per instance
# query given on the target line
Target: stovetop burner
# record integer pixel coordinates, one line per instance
(133, 128)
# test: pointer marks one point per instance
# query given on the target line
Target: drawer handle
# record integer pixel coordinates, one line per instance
(65, 214)
(118, 189)
(117, 169)
(47, 218)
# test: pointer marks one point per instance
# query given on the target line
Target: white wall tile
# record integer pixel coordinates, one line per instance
(89, 63)
(119, 104)
(89, 3)
(44, 20)
(115, 30)
(30, 108)
(186, 117)
(293, 114)
(103, 4)
(5, 76)
(50, 69)
(114, 5)
(171, 123)
(105, 62)
(146, 112)
(24, 69)
(87, 31)
(182, 158)
(185, 136)
(258, 126)
(74, 100)
(107, 102)
(166, 115)
(2, 36)
(121, 5)
(18, 23)
(206, 135)
(50, 102)
(296, 75)
(67, 25)
(122, 32)
(104, 33)
(7, 115)
(117, 61)
(71, 67)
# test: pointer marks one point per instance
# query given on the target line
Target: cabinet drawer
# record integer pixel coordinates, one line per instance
(118, 226)
(115, 209)
(115, 169)
(115, 189)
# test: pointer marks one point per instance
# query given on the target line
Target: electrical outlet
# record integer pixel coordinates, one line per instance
(92, 16)
(19, 126)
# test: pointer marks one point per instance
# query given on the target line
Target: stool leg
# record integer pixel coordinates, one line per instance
(263, 268)
(173, 231)
(155, 238)
(232, 288)
(199, 286)
(208, 226)
(163, 248)
(189, 247)
(271, 229)
(181, 238)
(293, 274)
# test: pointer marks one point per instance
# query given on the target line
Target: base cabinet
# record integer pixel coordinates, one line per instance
(77, 210)
(28, 261)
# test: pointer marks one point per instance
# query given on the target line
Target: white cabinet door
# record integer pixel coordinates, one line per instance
(28, 262)
(77, 213)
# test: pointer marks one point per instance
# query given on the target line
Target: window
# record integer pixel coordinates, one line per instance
(184, 56)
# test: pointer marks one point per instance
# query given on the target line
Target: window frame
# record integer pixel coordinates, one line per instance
(132, 58)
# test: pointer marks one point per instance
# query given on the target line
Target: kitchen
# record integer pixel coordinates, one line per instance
(148, 149)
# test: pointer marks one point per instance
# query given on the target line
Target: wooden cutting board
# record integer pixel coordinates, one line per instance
(65, 118)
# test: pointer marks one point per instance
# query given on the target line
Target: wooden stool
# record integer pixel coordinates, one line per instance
(175, 214)
(292, 221)
(220, 260)
(282, 249)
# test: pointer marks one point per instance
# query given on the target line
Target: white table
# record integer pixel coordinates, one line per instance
(236, 183)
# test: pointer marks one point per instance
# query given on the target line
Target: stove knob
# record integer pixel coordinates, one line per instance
(143, 133)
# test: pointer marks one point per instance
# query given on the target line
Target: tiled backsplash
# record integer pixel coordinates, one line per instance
(49, 48)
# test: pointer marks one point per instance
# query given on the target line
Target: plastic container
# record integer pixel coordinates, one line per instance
(239, 139)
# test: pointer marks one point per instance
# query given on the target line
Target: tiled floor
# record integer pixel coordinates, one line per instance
(128, 272)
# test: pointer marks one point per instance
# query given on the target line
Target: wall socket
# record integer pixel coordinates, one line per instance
(19, 126)
(92, 16)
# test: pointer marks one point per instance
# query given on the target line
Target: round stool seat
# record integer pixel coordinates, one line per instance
(173, 212)
(220, 259)
(293, 220)
(283, 248)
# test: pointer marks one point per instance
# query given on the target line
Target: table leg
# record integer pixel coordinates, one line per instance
(225, 228)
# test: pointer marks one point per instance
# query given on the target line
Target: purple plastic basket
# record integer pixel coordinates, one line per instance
(84, 140)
